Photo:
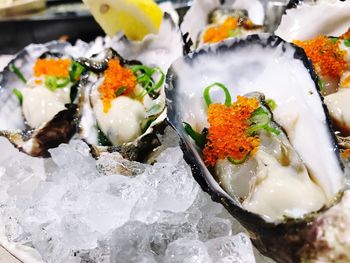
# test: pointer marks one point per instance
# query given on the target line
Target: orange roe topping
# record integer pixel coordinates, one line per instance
(326, 56)
(345, 82)
(227, 136)
(52, 67)
(345, 154)
(220, 32)
(116, 77)
(346, 35)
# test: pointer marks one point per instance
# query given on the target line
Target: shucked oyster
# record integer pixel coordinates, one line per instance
(210, 22)
(326, 42)
(123, 94)
(276, 171)
(44, 79)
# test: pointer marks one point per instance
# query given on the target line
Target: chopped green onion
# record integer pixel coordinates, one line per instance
(53, 83)
(260, 120)
(237, 162)
(347, 42)
(271, 104)
(196, 136)
(102, 138)
(272, 130)
(75, 71)
(334, 40)
(207, 98)
(234, 32)
(320, 84)
(120, 91)
(19, 74)
(144, 78)
(19, 95)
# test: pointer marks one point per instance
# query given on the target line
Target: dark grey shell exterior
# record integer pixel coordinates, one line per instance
(282, 241)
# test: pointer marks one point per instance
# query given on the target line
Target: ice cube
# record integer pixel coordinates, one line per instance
(130, 244)
(187, 251)
(233, 249)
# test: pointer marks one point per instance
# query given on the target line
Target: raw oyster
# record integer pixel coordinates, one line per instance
(38, 95)
(327, 44)
(123, 94)
(281, 71)
(209, 21)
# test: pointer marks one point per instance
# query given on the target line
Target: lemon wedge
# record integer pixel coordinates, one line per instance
(136, 18)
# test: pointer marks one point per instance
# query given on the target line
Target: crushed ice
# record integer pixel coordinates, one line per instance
(72, 208)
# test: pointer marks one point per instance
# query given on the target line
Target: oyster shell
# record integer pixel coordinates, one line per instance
(130, 124)
(305, 22)
(211, 13)
(281, 71)
(46, 118)
(296, 25)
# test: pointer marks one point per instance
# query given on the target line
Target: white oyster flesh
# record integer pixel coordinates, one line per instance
(263, 183)
(305, 21)
(40, 104)
(122, 123)
(268, 65)
(338, 105)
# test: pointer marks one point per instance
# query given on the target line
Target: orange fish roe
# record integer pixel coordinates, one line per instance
(116, 77)
(326, 56)
(52, 67)
(346, 35)
(220, 32)
(227, 136)
(345, 154)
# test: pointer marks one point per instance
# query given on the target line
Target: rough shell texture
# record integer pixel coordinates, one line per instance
(189, 76)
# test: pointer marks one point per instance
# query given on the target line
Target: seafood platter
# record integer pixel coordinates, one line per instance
(222, 136)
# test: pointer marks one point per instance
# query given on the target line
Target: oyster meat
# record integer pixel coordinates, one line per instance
(123, 99)
(291, 170)
(38, 90)
(210, 22)
(327, 44)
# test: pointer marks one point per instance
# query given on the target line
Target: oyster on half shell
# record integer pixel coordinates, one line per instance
(326, 40)
(123, 99)
(275, 218)
(38, 94)
(210, 21)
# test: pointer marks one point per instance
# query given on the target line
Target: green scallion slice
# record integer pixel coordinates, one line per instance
(237, 162)
(18, 73)
(19, 95)
(198, 138)
(207, 98)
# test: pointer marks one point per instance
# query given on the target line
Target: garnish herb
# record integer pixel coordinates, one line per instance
(198, 138)
(234, 32)
(19, 95)
(144, 78)
(320, 84)
(19, 74)
(120, 91)
(334, 40)
(260, 120)
(271, 104)
(207, 98)
(347, 42)
(75, 71)
(53, 83)
(237, 162)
